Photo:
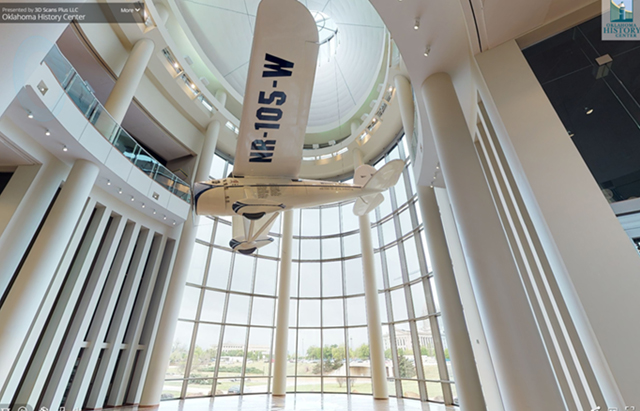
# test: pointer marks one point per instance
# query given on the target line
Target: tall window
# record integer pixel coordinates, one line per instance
(224, 339)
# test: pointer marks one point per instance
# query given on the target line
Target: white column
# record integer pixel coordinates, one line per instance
(282, 316)
(166, 329)
(522, 367)
(486, 372)
(221, 96)
(580, 235)
(464, 366)
(354, 127)
(374, 321)
(405, 100)
(20, 230)
(19, 309)
(462, 358)
(14, 191)
(122, 94)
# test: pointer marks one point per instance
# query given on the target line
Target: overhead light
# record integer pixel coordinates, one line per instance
(108, 182)
(119, 191)
(29, 114)
(427, 51)
(47, 133)
(154, 211)
(174, 222)
(416, 24)
(65, 149)
(588, 110)
(164, 217)
(133, 198)
(571, 133)
(143, 206)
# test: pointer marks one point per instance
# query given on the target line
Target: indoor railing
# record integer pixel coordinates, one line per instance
(83, 97)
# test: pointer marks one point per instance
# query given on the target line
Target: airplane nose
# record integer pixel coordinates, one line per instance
(207, 200)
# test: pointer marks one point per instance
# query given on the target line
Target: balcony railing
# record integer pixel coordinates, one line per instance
(82, 96)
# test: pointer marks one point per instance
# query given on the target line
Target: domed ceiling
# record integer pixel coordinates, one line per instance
(347, 66)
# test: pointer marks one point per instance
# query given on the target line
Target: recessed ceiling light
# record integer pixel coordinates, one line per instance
(571, 134)
(164, 217)
(416, 24)
(427, 51)
(133, 198)
(65, 149)
(108, 182)
(174, 222)
(119, 191)
(588, 110)
(29, 114)
(154, 211)
(47, 133)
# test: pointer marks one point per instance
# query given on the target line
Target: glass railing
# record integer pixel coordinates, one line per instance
(82, 96)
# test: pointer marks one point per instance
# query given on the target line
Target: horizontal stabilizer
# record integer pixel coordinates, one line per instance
(365, 205)
(363, 174)
(386, 177)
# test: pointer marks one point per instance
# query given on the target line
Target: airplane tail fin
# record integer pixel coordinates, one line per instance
(363, 174)
(386, 177)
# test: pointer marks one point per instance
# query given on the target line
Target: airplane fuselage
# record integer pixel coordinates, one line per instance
(250, 195)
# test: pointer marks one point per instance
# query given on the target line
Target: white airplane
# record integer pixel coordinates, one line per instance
(275, 112)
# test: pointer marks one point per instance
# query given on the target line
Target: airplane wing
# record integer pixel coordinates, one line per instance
(278, 93)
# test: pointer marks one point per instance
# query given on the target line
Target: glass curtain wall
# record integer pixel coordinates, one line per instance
(224, 340)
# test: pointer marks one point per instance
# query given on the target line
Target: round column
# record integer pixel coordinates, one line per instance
(122, 94)
(24, 223)
(282, 316)
(405, 100)
(221, 96)
(354, 127)
(522, 367)
(166, 329)
(462, 359)
(374, 321)
(30, 287)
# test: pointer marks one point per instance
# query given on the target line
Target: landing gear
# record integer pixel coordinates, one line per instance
(253, 216)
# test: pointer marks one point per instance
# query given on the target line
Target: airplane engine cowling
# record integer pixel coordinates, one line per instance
(208, 198)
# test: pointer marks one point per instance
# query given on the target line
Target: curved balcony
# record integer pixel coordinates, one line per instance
(82, 96)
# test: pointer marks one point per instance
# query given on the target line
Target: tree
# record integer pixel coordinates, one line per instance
(314, 353)
(406, 368)
(362, 352)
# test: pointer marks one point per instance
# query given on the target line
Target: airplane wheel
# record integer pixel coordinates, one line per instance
(247, 252)
(253, 216)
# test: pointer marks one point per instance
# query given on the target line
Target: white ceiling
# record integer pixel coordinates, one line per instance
(224, 29)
